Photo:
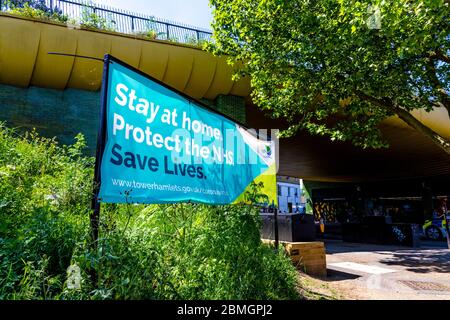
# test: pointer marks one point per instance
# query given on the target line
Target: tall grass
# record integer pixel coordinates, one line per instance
(179, 251)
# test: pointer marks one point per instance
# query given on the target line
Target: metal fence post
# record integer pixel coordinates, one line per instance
(132, 24)
(167, 31)
(275, 216)
(51, 6)
(198, 36)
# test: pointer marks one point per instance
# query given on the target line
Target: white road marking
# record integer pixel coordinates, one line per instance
(362, 267)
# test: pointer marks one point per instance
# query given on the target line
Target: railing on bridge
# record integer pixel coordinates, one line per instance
(105, 17)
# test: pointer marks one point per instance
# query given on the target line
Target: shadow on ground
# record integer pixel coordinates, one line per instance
(338, 246)
(335, 275)
(420, 261)
(431, 257)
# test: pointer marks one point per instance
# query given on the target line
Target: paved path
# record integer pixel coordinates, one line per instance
(363, 271)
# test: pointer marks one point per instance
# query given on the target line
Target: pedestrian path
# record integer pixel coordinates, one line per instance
(366, 271)
(361, 267)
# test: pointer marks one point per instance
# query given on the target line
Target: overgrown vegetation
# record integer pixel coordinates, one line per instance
(180, 251)
(151, 31)
(194, 41)
(89, 19)
(35, 9)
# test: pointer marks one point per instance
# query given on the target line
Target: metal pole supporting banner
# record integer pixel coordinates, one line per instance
(101, 136)
(275, 217)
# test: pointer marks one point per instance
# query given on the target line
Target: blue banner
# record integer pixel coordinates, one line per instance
(162, 147)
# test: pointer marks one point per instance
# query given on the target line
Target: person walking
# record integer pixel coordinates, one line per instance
(442, 211)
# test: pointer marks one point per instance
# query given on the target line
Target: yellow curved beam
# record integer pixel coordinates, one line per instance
(61, 67)
(154, 59)
(219, 84)
(19, 43)
(201, 76)
(86, 73)
(24, 59)
(438, 120)
(179, 68)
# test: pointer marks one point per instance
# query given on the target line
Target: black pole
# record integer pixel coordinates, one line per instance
(101, 136)
(275, 216)
(447, 227)
(75, 56)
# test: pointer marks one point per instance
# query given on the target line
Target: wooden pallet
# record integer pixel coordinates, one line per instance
(309, 257)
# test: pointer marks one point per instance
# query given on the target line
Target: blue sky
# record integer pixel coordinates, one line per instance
(194, 12)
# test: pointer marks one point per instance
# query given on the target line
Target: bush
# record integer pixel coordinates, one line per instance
(193, 41)
(44, 197)
(179, 251)
(151, 31)
(36, 9)
(89, 19)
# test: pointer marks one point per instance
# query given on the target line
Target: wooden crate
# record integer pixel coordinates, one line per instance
(309, 257)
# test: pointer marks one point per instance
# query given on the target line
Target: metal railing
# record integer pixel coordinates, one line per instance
(114, 19)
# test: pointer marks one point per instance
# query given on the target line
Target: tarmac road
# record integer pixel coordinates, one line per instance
(365, 271)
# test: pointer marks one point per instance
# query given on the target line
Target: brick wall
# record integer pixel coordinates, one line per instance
(53, 113)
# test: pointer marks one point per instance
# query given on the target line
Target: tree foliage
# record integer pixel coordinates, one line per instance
(340, 67)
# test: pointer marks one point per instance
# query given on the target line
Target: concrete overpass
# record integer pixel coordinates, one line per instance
(24, 63)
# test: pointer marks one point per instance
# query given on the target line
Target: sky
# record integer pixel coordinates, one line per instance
(193, 12)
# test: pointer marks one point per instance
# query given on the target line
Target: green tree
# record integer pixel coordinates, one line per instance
(340, 67)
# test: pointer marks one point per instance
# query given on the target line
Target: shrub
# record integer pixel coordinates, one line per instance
(37, 10)
(44, 197)
(151, 31)
(89, 19)
(178, 251)
(193, 41)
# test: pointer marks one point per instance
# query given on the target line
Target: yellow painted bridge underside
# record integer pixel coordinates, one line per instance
(24, 59)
